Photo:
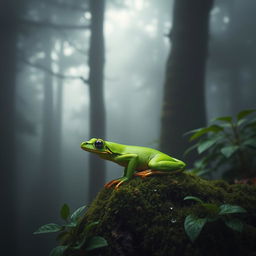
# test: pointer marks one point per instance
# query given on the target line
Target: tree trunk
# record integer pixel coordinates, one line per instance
(8, 32)
(46, 194)
(48, 112)
(97, 167)
(184, 97)
(58, 114)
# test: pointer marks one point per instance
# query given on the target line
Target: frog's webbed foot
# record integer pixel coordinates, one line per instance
(146, 173)
(118, 182)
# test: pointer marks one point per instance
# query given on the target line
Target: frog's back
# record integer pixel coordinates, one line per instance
(142, 152)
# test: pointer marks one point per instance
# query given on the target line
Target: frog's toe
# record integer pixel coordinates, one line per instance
(146, 173)
(112, 182)
(143, 174)
(121, 181)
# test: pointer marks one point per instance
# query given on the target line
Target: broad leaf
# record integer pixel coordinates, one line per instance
(77, 213)
(201, 163)
(212, 208)
(203, 172)
(241, 121)
(71, 224)
(48, 228)
(244, 113)
(235, 224)
(228, 208)
(250, 142)
(59, 250)
(203, 146)
(190, 149)
(95, 242)
(193, 226)
(212, 128)
(65, 212)
(193, 198)
(227, 119)
(91, 225)
(192, 131)
(251, 123)
(228, 151)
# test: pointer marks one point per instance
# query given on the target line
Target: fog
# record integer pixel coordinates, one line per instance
(50, 167)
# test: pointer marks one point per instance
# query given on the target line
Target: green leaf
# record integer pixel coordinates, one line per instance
(91, 225)
(59, 250)
(75, 215)
(203, 172)
(227, 119)
(228, 151)
(212, 208)
(251, 123)
(244, 113)
(241, 121)
(193, 226)
(71, 224)
(203, 146)
(228, 208)
(234, 224)
(190, 149)
(193, 198)
(212, 128)
(250, 142)
(192, 131)
(65, 212)
(201, 163)
(48, 228)
(95, 242)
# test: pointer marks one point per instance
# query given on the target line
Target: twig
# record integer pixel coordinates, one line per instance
(49, 71)
(44, 24)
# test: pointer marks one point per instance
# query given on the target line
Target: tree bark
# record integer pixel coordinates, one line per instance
(184, 96)
(8, 32)
(97, 167)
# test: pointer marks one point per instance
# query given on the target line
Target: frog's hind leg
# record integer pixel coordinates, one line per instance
(161, 163)
(146, 173)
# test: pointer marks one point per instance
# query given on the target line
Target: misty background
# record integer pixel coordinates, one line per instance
(72, 70)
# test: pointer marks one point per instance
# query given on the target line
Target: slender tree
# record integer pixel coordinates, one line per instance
(97, 108)
(58, 112)
(8, 30)
(184, 103)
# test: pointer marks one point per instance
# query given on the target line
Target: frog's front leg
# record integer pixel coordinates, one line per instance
(132, 160)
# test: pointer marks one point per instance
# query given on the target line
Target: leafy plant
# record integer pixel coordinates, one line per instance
(226, 144)
(194, 224)
(68, 229)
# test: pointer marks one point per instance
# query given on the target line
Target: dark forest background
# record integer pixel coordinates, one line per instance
(138, 72)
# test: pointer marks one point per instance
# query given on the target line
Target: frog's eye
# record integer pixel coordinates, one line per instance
(99, 144)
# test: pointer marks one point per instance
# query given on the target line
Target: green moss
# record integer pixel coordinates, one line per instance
(146, 217)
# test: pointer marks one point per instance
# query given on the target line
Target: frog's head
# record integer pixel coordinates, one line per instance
(97, 146)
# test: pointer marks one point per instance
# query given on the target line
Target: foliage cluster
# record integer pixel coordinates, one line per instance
(228, 145)
(67, 230)
(212, 212)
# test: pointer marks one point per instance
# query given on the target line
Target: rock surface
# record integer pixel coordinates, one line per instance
(146, 217)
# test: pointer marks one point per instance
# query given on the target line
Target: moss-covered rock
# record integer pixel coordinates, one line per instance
(146, 217)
